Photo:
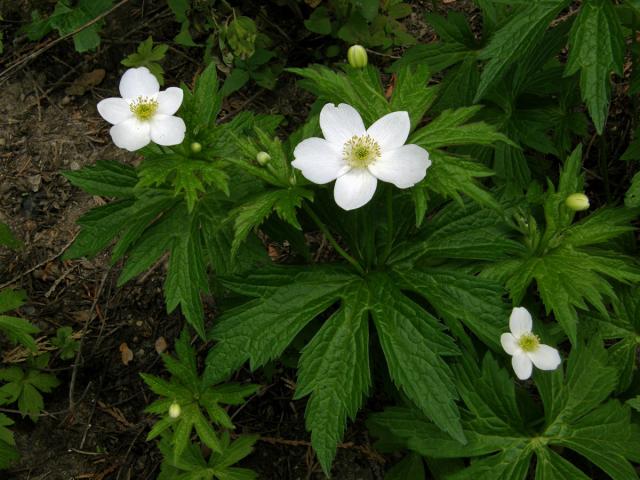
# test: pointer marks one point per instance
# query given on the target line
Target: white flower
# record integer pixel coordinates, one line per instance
(357, 157)
(525, 347)
(144, 113)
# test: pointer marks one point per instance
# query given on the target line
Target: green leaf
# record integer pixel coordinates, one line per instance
(596, 47)
(282, 311)
(410, 467)
(251, 215)
(319, 21)
(8, 452)
(460, 297)
(515, 39)
(7, 238)
(411, 93)
(19, 331)
(148, 56)
(413, 345)
(186, 276)
(450, 129)
(334, 370)
(106, 178)
(632, 197)
(11, 299)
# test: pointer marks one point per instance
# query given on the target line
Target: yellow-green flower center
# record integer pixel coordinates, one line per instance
(360, 152)
(144, 107)
(529, 342)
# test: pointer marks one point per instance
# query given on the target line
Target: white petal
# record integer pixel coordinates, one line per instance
(340, 123)
(522, 366)
(114, 110)
(510, 344)
(320, 161)
(404, 166)
(169, 100)
(167, 130)
(131, 134)
(138, 82)
(354, 188)
(545, 357)
(520, 321)
(391, 131)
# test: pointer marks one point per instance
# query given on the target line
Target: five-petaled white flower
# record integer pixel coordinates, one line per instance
(525, 347)
(357, 157)
(144, 113)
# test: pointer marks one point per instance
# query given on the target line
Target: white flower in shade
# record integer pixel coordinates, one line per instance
(144, 113)
(356, 158)
(525, 347)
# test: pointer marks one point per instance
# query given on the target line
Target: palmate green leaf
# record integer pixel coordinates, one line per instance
(251, 215)
(148, 56)
(361, 89)
(450, 129)
(106, 178)
(286, 299)
(596, 47)
(413, 343)
(334, 371)
(501, 444)
(200, 108)
(521, 34)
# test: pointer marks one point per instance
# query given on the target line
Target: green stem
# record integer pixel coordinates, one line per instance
(325, 231)
(389, 200)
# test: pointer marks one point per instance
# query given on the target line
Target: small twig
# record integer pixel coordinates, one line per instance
(44, 262)
(23, 61)
(76, 362)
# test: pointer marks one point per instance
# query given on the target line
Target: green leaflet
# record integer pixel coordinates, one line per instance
(413, 343)
(632, 197)
(596, 47)
(450, 128)
(409, 467)
(411, 93)
(8, 452)
(105, 178)
(522, 33)
(334, 371)
(8, 239)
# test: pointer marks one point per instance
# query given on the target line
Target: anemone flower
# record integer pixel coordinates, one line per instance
(525, 347)
(356, 158)
(144, 113)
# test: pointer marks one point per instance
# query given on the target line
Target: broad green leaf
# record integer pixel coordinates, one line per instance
(552, 466)
(509, 44)
(596, 47)
(334, 371)
(106, 178)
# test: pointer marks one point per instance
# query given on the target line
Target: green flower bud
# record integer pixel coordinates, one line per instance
(577, 202)
(175, 410)
(357, 56)
(263, 158)
(196, 147)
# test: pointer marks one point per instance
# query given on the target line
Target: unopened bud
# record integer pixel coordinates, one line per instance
(196, 147)
(175, 410)
(577, 202)
(357, 56)
(263, 158)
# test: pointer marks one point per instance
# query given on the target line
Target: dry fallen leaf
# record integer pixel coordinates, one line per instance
(86, 81)
(161, 345)
(125, 353)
